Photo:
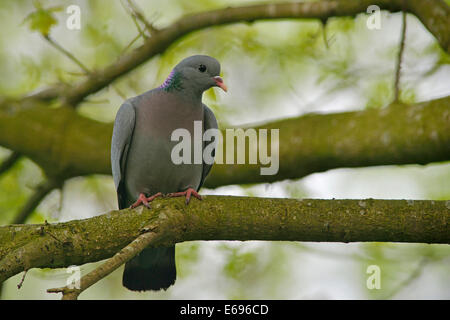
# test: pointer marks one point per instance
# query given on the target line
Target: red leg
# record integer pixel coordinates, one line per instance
(153, 197)
(186, 193)
(142, 199)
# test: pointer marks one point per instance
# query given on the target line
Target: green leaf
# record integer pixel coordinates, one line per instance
(42, 20)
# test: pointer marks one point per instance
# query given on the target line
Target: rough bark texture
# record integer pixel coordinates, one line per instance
(399, 134)
(222, 218)
(68, 145)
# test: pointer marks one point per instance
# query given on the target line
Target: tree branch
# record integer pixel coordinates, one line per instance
(398, 65)
(137, 14)
(66, 144)
(69, 55)
(434, 14)
(136, 23)
(124, 255)
(222, 218)
(9, 162)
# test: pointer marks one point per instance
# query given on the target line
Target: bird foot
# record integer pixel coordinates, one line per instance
(186, 193)
(145, 200)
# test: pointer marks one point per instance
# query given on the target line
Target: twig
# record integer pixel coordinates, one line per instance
(47, 94)
(41, 192)
(119, 92)
(413, 276)
(77, 74)
(399, 59)
(324, 32)
(127, 253)
(78, 62)
(140, 16)
(67, 54)
(136, 23)
(9, 162)
(130, 44)
(101, 101)
(23, 279)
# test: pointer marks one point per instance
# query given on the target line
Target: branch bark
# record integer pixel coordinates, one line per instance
(9, 162)
(222, 218)
(66, 144)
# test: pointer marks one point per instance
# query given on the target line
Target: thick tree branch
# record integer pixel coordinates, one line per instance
(434, 14)
(398, 134)
(222, 218)
(9, 162)
(68, 145)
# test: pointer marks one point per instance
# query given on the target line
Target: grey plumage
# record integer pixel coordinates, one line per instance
(121, 139)
(141, 155)
(209, 122)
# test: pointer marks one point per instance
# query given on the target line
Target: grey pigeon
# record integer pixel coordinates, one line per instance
(141, 156)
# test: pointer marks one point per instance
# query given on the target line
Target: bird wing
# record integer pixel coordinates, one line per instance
(209, 122)
(120, 144)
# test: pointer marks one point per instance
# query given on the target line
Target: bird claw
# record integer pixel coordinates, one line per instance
(143, 200)
(187, 194)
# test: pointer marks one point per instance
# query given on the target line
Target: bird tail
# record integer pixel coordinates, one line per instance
(152, 269)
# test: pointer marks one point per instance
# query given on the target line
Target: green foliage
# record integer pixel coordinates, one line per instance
(11, 194)
(401, 265)
(16, 186)
(380, 95)
(100, 36)
(42, 19)
(186, 257)
(239, 264)
(248, 263)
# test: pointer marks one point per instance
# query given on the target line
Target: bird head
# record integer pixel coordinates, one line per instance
(199, 73)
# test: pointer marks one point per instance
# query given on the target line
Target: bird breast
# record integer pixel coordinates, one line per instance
(150, 168)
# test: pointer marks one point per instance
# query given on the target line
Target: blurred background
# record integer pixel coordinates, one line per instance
(274, 69)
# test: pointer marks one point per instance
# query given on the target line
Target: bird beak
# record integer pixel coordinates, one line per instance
(219, 83)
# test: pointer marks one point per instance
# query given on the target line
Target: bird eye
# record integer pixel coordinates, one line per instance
(202, 68)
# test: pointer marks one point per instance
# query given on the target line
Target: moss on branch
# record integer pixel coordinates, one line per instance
(67, 144)
(222, 218)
